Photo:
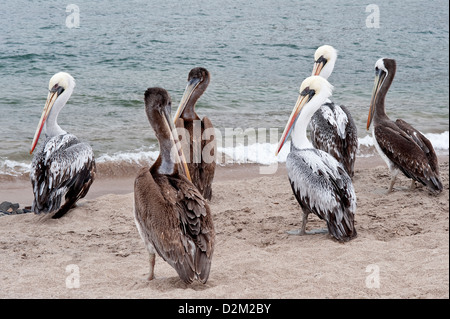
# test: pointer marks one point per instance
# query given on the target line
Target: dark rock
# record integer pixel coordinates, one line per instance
(8, 208)
(5, 206)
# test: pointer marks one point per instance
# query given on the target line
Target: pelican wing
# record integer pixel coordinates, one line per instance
(62, 167)
(422, 142)
(410, 151)
(322, 186)
(196, 227)
(334, 131)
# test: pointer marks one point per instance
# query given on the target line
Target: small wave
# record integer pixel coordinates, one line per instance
(440, 141)
(258, 153)
(124, 163)
(14, 168)
(366, 141)
(22, 57)
(137, 157)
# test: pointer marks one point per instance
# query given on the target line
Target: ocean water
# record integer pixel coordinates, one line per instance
(258, 53)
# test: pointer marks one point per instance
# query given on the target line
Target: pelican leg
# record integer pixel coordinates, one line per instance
(312, 231)
(413, 185)
(304, 221)
(301, 231)
(391, 186)
(151, 276)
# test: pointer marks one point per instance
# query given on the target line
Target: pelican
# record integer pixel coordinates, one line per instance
(332, 127)
(172, 217)
(401, 146)
(319, 182)
(197, 136)
(62, 166)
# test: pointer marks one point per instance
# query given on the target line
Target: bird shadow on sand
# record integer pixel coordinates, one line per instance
(168, 284)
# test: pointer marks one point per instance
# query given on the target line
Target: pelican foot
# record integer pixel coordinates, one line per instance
(317, 231)
(299, 232)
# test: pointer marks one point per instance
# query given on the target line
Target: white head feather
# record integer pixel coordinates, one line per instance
(330, 55)
(63, 79)
(67, 82)
(380, 65)
(320, 85)
(322, 91)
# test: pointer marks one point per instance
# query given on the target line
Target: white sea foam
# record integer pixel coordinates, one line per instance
(257, 153)
(440, 141)
(264, 153)
(14, 168)
(129, 157)
(260, 153)
(366, 141)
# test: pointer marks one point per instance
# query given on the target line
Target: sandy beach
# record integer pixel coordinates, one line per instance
(402, 248)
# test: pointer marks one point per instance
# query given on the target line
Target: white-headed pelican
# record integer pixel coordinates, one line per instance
(319, 182)
(63, 168)
(332, 127)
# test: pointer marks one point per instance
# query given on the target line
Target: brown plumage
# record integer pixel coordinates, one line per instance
(197, 136)
(402, 147)
(173, 218)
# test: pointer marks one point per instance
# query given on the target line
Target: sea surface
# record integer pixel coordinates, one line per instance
(258, 53)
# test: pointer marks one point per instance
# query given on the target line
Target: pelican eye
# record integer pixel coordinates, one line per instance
(322, 60)
(56, 88)
(307, 91)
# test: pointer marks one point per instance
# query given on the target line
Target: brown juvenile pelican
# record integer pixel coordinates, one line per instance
(62, 166)
(401, 146)
(332, 127)
(319, 182)
(172, 217)
(197, 136)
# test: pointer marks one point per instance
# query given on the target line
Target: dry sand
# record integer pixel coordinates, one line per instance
(402, 248)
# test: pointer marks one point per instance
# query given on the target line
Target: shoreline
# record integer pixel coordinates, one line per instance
(121, 181)
(18, 190)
